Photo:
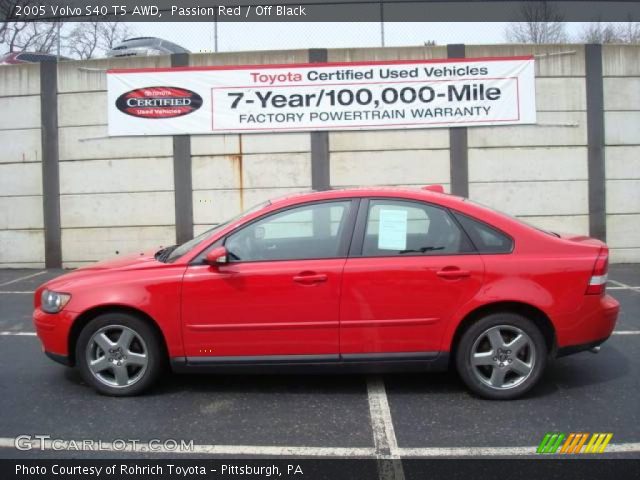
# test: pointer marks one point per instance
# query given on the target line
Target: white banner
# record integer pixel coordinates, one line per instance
(328, 96)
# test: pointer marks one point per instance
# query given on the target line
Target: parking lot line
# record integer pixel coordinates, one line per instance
(16, 292)
(384, 435)
(252, 450)
(328, 452)
(623, 286)
(626, 332)
(18, 334)
(498, 451)
(16, 280)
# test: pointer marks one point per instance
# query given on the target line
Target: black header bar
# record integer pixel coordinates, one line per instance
(313, 10)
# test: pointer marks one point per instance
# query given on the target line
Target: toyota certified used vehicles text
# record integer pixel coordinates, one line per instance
(386, 279)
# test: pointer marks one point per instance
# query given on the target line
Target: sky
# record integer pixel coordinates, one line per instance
(285, 36)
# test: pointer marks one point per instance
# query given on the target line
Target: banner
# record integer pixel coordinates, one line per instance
(322, 96)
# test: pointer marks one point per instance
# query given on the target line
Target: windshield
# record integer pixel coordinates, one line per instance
(172, 253)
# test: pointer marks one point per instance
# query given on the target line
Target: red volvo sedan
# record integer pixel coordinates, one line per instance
(360, 279)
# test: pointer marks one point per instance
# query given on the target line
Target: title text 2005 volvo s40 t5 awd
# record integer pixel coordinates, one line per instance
(350, 279)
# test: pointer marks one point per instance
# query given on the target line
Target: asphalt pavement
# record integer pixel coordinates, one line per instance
(401, 415)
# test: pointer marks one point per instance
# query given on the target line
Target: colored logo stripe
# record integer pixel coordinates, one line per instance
(573, 443)
(598, 442)
(550, 442)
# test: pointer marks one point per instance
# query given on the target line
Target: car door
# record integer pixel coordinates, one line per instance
(279, 292)
(410, 268)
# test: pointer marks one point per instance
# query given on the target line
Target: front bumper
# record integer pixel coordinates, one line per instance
(53, 331)
(61, 359)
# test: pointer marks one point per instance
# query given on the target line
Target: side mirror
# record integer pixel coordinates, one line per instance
(217, 256)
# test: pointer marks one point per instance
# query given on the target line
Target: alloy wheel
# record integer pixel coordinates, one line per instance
(503, 357)
(117, 356)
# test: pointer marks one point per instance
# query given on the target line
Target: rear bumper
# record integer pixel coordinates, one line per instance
(571, 349)
(590, 326)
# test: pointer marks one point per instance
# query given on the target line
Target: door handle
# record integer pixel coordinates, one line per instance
(310, 279)
(451, 273)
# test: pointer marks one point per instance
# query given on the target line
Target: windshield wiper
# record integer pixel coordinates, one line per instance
(162, 254)
(421, 250)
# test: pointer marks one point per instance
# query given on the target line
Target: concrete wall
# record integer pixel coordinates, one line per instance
(621, 71)
(389, 157)
(538, 172)
(117, 195)
(21, 219)
(231, 173)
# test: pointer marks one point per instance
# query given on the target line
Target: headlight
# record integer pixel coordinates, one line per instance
(53, 302)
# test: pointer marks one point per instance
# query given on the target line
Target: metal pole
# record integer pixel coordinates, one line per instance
(382, 23)
(215, 32)
(58, 39)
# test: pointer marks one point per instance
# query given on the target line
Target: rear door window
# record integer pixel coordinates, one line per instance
(399, 227)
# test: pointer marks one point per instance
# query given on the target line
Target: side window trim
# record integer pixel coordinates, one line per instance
(346, 236)
(357, 245)
(456, 214)
(343, 241)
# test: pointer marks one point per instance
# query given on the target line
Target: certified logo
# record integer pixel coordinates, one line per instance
(159, 102)
(571, 443)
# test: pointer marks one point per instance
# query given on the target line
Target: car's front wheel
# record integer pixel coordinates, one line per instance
(501, 356)
(119, 354)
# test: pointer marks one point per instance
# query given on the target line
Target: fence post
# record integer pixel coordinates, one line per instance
(458, 151)
(320, 166)
(595, 141)
(182, 181)
(50, 164)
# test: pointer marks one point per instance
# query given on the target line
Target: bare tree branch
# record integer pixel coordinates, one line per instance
(112, 33)
(82, 42)
(598, 32)
(21, 36)
(90, 39)
(541, 23)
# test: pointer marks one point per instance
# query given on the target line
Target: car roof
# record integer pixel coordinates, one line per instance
(416, 193)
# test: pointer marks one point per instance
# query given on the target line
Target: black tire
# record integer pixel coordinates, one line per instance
(510, 368)
(145, 342)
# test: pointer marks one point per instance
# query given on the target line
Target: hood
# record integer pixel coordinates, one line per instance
(124, 262)
(136, 261)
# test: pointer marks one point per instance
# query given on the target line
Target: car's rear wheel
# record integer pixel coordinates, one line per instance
(119, 354)
(501, 356)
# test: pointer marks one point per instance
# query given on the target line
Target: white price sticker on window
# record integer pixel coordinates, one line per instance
(392, 232)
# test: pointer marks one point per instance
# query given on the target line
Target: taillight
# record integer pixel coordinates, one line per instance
(598, 280)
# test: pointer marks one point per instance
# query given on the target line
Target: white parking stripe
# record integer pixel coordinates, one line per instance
(16, 280)
(384, 435)
(252, 450)
(500, 451)
(14, 292)
(626, 332)
(18, 334)
(291, 451)
(622, 286)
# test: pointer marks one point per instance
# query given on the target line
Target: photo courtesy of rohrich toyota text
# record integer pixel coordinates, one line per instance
(357, 239)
